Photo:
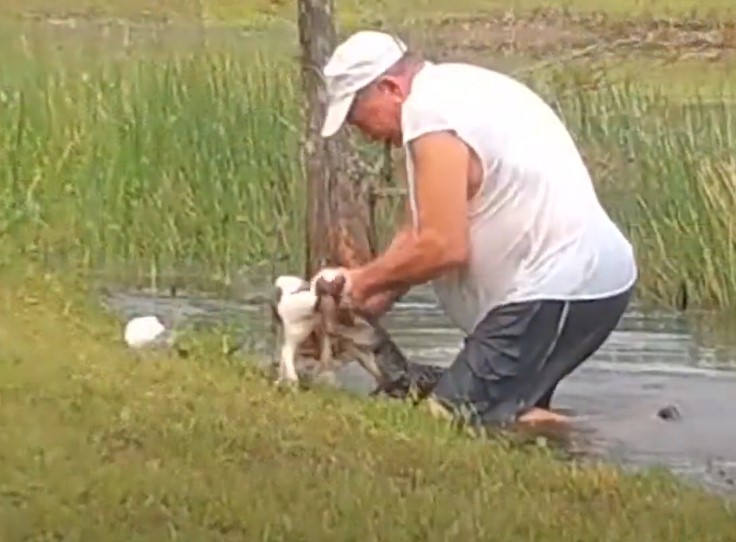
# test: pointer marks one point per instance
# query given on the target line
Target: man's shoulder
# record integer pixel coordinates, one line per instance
(469, 99)
(438, 84)
(455, 70)
(466, 67)
(466, 83)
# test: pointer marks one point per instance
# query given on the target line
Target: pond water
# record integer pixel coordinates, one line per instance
(652, 360)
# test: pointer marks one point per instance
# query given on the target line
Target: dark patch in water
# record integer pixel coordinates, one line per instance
(669, 413)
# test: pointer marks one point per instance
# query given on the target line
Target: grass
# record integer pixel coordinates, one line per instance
(99, 444)
(666, 173)
(144, 166)
(682, 81)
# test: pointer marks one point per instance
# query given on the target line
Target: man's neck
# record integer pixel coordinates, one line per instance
(412, 73)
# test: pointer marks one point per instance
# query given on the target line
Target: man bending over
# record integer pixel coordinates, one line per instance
(505, 223)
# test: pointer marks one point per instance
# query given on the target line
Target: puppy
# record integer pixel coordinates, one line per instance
(317, 325)
(295, 309)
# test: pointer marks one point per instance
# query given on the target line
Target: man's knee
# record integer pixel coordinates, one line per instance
(477, 395)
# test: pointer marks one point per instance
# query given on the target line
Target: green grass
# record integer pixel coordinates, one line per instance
(354, 12)
(100, 444)
(191, 163)
(665, 171)
(683, 80)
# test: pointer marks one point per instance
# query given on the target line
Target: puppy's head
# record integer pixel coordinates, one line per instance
(332, 288)
(329, 291)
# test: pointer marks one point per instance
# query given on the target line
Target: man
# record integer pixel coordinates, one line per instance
(505, 223)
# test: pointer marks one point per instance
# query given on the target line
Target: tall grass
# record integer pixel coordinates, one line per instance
(667, 173)
(149, 165)
(188, 163)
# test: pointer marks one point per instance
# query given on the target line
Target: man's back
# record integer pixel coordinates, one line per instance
(537, 227)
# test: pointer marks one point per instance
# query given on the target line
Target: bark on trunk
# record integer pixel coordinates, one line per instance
(338, 219)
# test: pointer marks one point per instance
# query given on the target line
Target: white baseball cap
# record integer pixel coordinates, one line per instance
(355, 64)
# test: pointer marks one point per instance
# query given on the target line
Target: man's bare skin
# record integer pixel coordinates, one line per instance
(536, 416)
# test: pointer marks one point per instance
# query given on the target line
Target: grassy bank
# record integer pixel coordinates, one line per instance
(98, 444)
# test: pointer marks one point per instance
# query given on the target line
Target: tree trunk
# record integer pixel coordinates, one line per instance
(338, 218)
(339, 227)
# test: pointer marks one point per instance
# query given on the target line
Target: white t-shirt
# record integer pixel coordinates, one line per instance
(537, 228)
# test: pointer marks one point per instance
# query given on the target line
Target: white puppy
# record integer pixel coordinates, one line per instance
(303, 308)
(296, 308)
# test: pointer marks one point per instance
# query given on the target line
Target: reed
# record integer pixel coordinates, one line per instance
(150, 165)
(666, 172)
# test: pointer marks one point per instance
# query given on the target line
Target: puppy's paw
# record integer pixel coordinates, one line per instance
(286, 385)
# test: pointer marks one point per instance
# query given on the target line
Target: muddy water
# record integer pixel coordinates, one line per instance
(651, 360)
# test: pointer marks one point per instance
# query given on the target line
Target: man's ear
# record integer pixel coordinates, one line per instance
(389, 85)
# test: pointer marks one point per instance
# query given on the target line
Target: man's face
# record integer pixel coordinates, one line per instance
(376, 111)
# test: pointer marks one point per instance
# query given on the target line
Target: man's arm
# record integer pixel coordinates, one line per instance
(380, 303)
(441, 241)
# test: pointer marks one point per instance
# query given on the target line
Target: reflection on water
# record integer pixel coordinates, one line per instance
(650, 361)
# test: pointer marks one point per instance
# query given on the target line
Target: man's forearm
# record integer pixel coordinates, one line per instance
(399, 243)
(380, 302)
(415, 260)
(441, 241)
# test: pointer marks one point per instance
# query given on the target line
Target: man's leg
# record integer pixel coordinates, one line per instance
(519, 352)
(588, 325)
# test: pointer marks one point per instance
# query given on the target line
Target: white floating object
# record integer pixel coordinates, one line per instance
(143, 330)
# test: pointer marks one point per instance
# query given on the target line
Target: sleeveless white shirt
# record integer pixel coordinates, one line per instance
(537, 228)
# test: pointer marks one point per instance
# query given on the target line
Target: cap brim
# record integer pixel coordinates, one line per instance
(337, 112)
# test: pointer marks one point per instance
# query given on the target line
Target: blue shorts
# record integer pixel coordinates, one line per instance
(517, 355)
